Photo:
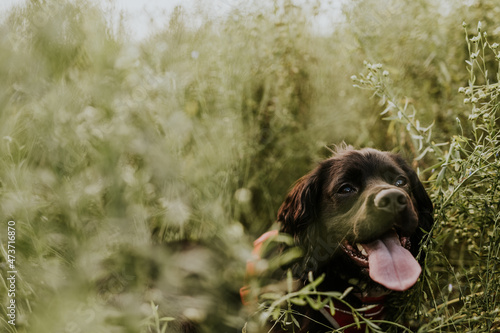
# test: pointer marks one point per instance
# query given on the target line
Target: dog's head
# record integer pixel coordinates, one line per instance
(366, 208)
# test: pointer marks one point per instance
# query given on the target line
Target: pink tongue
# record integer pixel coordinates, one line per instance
(390, 264)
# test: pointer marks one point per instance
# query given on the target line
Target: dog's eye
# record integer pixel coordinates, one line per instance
(346, 189)
(401, 181)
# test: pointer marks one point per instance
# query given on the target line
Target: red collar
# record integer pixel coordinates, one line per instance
(343, 316)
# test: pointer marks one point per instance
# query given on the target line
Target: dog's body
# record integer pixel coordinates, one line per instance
(359, 218)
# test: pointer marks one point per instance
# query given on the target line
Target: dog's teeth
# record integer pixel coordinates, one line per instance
(361, 249)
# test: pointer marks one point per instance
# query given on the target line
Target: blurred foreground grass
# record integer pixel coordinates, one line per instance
(112, 148)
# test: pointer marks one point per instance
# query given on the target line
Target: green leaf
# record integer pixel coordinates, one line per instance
(313, 285)
(440, 176)
(300, 301)
(346, 292)
(270, 296)
(422, 154)
(318, 303)
(332, 307)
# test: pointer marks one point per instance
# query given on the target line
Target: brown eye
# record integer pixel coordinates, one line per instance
(400, 181)
(346, 189)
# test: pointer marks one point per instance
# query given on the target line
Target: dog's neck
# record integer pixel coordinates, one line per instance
(367, 297)
(342, 316)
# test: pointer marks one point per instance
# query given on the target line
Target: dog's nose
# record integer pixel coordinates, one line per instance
(391, 201)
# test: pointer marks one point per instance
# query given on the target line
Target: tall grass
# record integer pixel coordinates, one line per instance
(117, 155)
(459, 287)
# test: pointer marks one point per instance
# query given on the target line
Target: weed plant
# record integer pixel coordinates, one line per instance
(459, 288)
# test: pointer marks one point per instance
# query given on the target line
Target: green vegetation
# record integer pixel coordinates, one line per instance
(112, 149)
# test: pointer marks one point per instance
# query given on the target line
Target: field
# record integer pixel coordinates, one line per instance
(119, 155)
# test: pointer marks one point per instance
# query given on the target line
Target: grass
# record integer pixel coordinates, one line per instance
(462, 252)
(112, 149)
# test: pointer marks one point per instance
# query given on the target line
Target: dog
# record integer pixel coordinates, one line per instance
(359, 218)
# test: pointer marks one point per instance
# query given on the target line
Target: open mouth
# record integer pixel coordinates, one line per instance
(387, 260)
(358, 253)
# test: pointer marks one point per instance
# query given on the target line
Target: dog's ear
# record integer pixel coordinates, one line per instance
(301, 205)
(422, 201)
(297, 215)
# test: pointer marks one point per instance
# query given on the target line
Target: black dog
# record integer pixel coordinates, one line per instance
(359, 218)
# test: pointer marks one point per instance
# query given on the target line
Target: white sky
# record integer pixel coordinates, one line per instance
(144, 16)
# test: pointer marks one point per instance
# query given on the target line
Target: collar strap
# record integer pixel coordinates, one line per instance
(342, 315)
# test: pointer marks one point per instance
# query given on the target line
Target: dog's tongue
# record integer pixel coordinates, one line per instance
(390, 264)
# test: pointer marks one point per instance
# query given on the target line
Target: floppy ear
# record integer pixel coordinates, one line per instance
(423, 203)
(301, 206)
(297, 216)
